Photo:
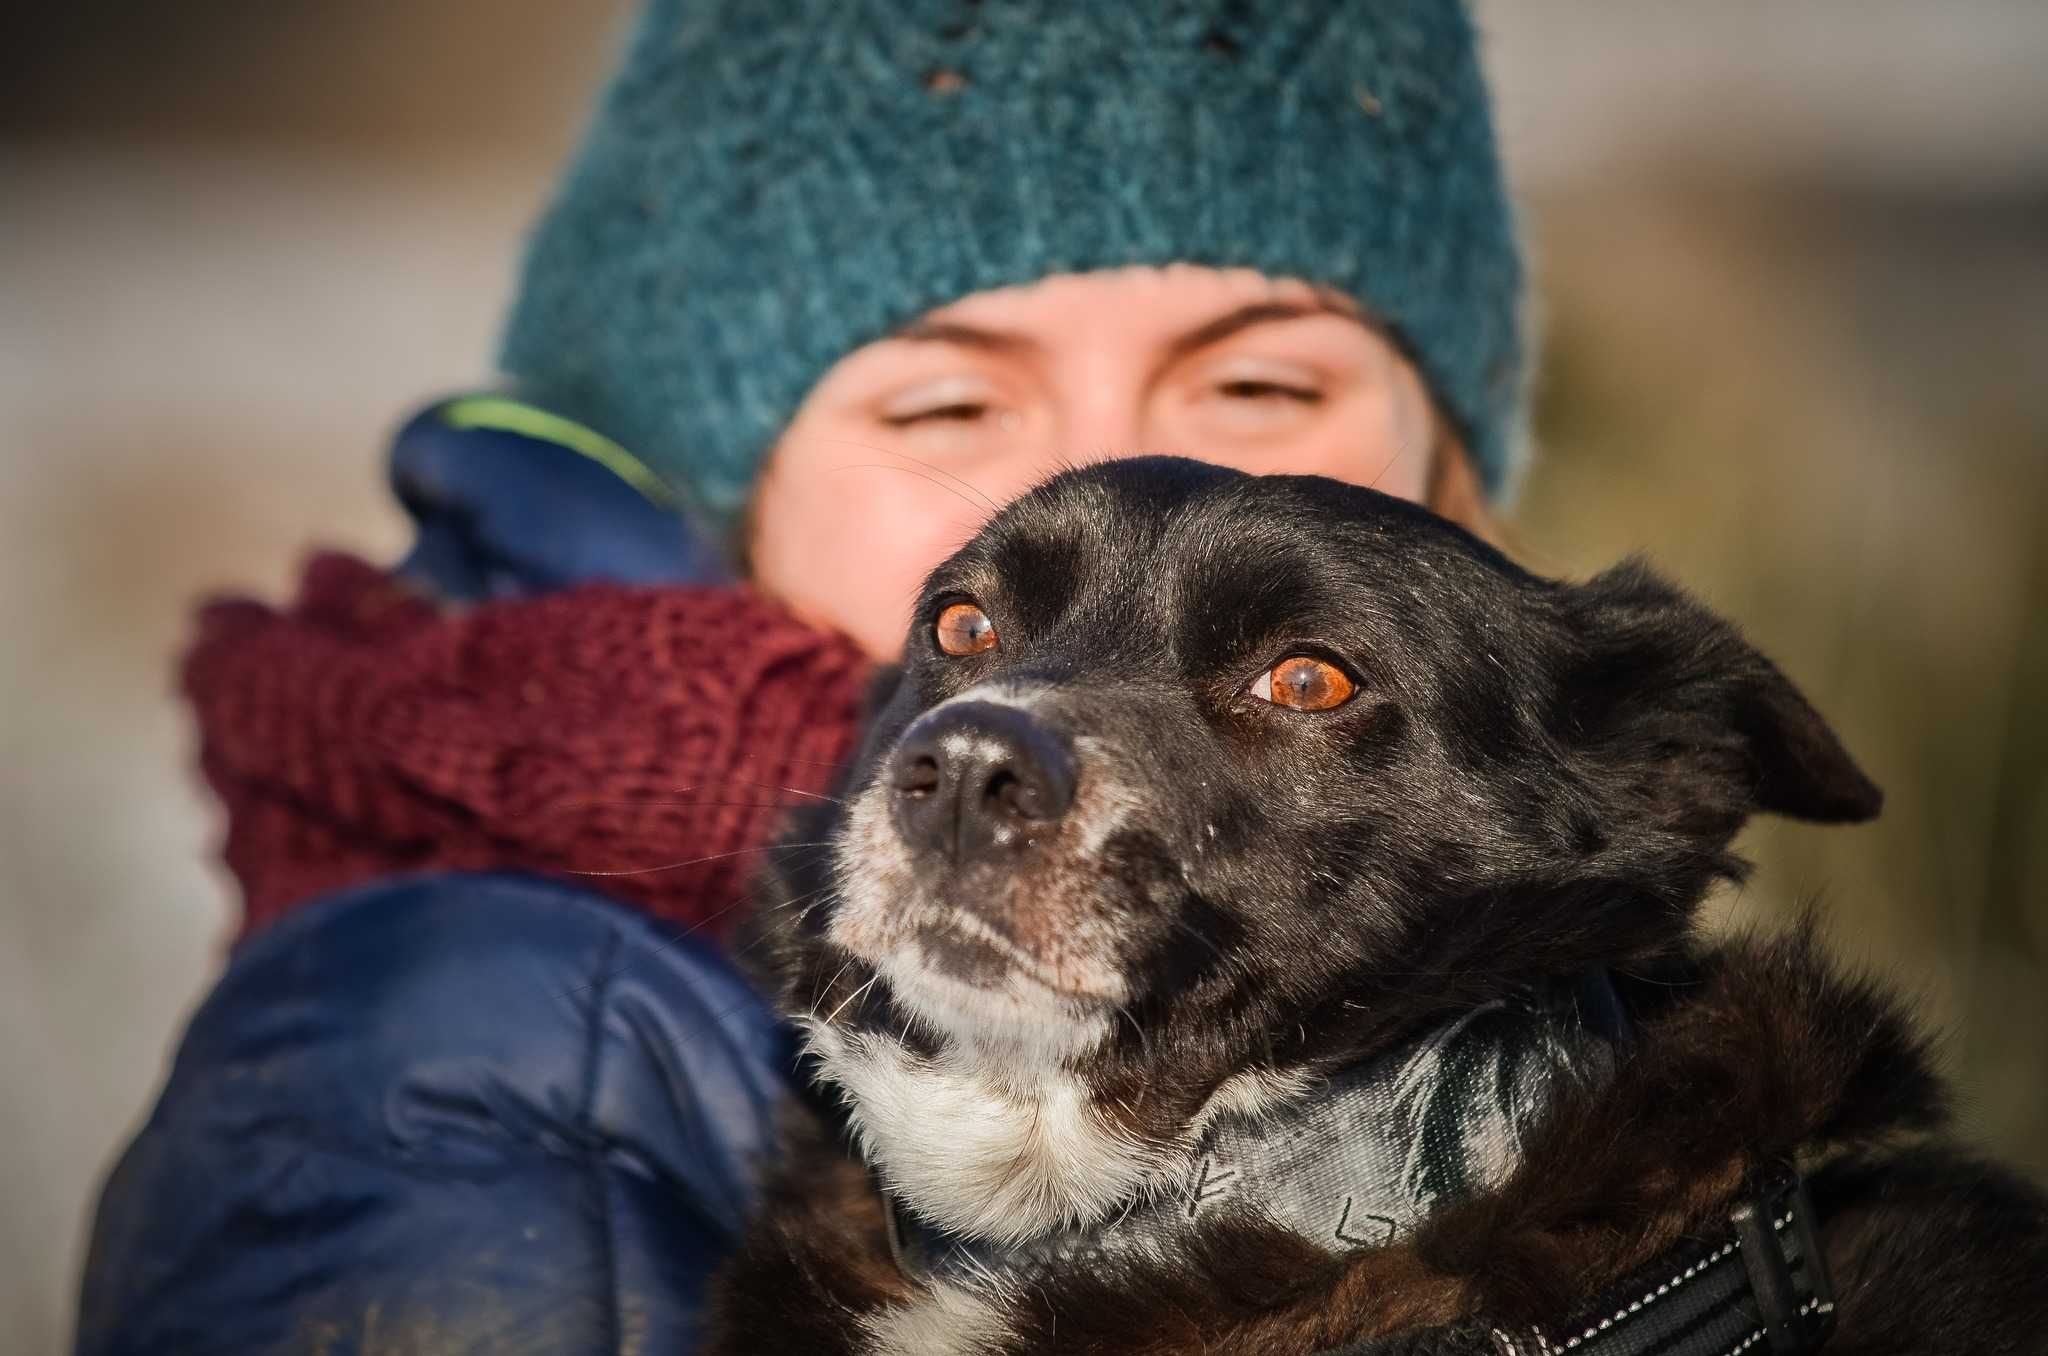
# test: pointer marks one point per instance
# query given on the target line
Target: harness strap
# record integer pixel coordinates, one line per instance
(1763, 1288)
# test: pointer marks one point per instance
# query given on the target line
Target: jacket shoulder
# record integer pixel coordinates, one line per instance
(456, 1113)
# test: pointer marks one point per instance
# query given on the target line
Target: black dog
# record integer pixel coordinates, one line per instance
(1261, 921)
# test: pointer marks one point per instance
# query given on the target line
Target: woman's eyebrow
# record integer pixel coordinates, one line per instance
(1203, 335)
(967, 336)
(1259, 313)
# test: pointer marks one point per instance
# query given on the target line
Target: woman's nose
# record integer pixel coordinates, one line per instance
(1099, 420)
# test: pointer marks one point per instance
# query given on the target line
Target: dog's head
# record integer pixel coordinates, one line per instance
(1196, 784)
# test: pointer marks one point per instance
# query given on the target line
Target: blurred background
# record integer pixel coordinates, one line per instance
(1794, 269)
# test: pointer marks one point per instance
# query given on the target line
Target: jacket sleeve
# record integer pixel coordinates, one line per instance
(466, 1113)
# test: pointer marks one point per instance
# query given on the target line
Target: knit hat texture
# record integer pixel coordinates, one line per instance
(769, 184)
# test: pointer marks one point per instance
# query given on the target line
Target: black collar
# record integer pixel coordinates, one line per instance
(1760, 1287)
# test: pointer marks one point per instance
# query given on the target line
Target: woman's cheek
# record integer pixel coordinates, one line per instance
(1373, 445)
(868, 551)
(1396, 465)
(888, 586)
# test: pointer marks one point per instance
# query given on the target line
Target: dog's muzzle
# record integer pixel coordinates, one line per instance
(976, 782)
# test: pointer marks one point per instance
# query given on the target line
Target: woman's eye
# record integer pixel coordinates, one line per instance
(1269, 390)
(1304, 683)
(957, 399)
(964, 629)
(959, 412)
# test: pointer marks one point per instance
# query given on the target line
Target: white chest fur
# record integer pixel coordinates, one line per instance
(980, 1143)
(947, 1321)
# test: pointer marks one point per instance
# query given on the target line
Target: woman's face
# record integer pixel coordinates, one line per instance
(906, 445)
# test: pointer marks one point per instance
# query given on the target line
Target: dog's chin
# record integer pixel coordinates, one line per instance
(967, 982)
(989, 959)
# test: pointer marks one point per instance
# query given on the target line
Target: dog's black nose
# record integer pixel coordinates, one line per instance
(975, 778)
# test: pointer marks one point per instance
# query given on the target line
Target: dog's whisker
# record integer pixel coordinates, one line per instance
(932, 480)
(931, 466)
(818, 993)
(696, 861)
(574, 804)
(1191, 930)
(663, 803)
(852, 997)
(795, 900)
(672, 940)
(724, 782)
(1401, 450)
(1144, 1050)
(792, 790)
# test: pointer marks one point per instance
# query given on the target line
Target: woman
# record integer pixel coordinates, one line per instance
(842, 281)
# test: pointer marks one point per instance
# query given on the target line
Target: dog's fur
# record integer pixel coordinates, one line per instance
(1532, 778)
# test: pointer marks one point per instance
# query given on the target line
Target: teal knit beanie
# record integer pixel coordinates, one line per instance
(770, 184)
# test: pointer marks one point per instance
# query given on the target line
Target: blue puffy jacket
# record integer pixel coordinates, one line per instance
(455, 1112)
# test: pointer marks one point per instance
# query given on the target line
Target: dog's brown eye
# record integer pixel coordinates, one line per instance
(964, 628)
(1305, 684)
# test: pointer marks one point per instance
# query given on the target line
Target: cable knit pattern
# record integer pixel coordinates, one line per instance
(657, 732)
(769, 184)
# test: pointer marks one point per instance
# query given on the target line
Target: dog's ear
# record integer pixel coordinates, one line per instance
(1669, 696)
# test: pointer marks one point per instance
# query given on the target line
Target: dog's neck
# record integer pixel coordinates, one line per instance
(988, 1139)
(990, 1161)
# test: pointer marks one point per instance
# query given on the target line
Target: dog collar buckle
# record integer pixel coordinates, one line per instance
(1782, 1257)
(1764, 1289)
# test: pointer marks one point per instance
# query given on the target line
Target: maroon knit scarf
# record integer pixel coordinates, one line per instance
(656, 732)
